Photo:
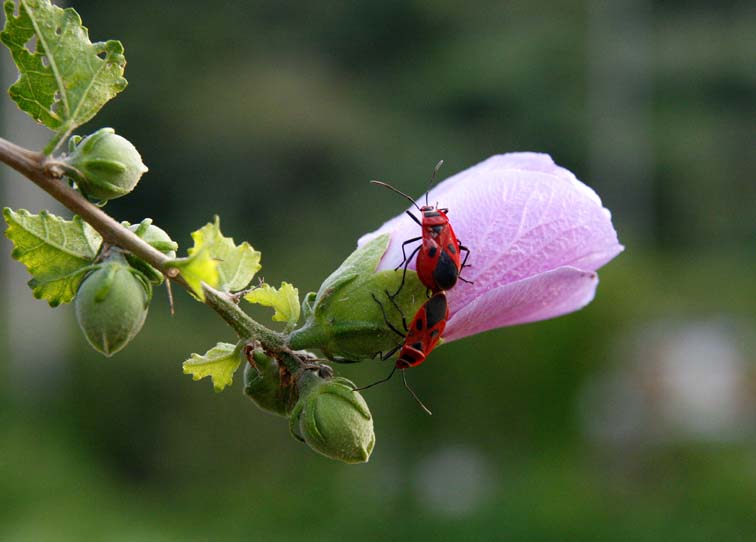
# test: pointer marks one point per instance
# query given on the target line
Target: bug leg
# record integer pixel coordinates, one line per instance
(385, 319)
(399, 310)
(463, 248)
(391, 352)
(383, 357)
(464, 263)
(404, 254)
(404, 273)
(378, 381)
(413, 217)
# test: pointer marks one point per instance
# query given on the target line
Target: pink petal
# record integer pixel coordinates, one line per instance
(543, 296)
(521, 216)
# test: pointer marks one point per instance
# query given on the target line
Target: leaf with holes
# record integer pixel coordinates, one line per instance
(56, 252)
(285, 301)
(237, 264)
(219, 363)
(199, 267)
(64, 78)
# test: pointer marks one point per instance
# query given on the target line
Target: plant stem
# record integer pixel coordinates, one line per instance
(46, 172)
(240, 321)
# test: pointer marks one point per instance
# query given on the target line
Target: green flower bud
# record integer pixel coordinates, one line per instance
(345, 321)
(265, 385)
(333, 419)
(158, 239)
(105, 165)
(154, 236)
(111, 305)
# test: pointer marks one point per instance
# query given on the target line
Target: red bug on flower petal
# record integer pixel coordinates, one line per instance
(439, 260)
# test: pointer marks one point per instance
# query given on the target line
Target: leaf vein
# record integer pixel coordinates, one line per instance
(51, 59)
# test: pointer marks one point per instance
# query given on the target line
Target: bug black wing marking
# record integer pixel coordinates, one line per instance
(435, 310)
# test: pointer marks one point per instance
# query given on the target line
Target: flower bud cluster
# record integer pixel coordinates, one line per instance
(112, 301)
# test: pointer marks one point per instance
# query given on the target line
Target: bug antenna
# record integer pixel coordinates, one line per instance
(397, 191)
(419, 402)
(377, 382)
(433, 179)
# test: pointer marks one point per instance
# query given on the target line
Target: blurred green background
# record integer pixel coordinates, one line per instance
(633, 419)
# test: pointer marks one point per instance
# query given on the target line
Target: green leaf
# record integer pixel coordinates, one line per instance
(362, 261)
(56, 252)
(219, 363)
(66, 79)
(237, 264)
(217, 261)
(198, 268)
(285, 301)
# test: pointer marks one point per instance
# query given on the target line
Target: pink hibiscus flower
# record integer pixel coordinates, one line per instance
(536, 236)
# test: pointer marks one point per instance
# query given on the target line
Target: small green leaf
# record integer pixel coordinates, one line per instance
(217, 261)
(66, 79)
(56, 252)
(362, 261)
(199, 267)
(237, 264)
(219, 363)
(285, 301)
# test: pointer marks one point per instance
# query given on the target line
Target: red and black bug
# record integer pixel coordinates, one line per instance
(439, 261)
(423, 333)
(420, 337)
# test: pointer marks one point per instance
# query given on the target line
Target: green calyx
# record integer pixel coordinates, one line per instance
(345, 320)
(104, 165)
(332, 419)
(268, 383)
(111, 304)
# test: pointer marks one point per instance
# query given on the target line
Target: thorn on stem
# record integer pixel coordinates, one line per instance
(170, 296)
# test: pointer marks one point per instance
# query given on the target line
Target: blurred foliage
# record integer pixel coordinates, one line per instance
(275, 116)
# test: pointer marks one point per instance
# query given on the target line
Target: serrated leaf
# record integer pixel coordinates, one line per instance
(285, 301)
(198, 268)
(219, 363)
(66, 79)
(56, 252)
(237, 264)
